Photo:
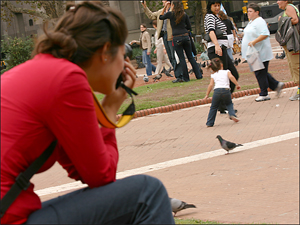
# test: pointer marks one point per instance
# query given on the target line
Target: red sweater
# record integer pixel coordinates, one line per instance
(42, 100)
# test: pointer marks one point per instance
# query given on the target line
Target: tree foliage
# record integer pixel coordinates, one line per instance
(16, 50)
(47, 10)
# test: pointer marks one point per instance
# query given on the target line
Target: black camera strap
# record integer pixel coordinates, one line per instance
(23, 179)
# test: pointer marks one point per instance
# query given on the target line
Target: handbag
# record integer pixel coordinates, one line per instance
(253, 59)
(218, 32)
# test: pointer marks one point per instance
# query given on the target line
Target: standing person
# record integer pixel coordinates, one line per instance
(220, 81)
(231, 34)
(293, 57)
(180, 27)
(87, 48)
(164, 30)
(160, 50)
(217, 47)
(145, 44)
(257, 34)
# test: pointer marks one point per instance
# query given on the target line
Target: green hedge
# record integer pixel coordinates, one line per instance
(16, 50)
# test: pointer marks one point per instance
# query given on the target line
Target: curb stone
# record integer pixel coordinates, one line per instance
(182, 105)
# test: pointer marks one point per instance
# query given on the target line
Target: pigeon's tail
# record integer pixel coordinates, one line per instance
(187, 206)
(238, 145)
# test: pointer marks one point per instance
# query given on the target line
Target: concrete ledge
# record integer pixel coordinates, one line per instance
(182, 105)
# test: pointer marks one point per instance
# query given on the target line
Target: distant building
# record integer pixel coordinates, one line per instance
(23, 24)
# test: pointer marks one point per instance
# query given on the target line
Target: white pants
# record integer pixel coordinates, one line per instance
(161, 56)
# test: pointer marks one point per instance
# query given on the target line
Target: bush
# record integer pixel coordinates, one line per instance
(17, 50)
(199, 48)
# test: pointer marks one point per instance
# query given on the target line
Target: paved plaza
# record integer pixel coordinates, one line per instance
(258, 184)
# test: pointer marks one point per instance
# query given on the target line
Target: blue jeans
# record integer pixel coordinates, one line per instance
(183, 43)
(147, 62)
(220, 95)
(137, 199)
(170, 50)
(265, 80)
(229, 53)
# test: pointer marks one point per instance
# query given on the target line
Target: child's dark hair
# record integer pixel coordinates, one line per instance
(215, 64)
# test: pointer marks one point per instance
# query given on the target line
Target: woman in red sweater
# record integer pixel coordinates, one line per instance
(49, 98)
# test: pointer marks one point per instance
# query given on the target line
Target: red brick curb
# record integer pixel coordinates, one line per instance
(182, 105)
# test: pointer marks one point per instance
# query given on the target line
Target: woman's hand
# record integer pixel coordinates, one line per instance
(206, 96)
(112, 102)
(129, 74)
(144, 4)
(218, 50)
(238, 87)
(251, 43)
(155, 51)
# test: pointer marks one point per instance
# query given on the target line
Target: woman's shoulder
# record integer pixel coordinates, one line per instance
(210, 15)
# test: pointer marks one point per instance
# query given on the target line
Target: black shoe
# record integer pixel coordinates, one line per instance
(199, 78)
(177, 80)
(235, 111)
(222, 112)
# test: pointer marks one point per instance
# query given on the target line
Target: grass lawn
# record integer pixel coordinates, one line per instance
(166, 93)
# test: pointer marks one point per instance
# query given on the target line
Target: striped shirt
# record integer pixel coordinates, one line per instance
(212, 22)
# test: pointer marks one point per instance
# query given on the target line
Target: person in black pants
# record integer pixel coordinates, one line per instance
(181, 26)
(217, 47)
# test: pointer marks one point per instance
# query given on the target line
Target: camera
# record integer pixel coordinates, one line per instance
(128, 53)
(142, 1)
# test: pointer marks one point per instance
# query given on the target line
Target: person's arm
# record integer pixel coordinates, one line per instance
(235, 36)
(233, 80)
(258, 39)
(149, 48)
(90, 153)
(210, 23)
(291, 12)
(135, 41)
(188, 23)
(214, 40)
(209, 88)
(167, 5)
(151, 15)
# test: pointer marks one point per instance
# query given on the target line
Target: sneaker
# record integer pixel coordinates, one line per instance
(279, 88)
(295, 97)
(262, 98)
(234, 118)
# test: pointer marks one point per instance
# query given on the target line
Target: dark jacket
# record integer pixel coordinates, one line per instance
(287, 34)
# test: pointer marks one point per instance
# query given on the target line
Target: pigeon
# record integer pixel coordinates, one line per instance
(227, 145)
(281, 56)
(192, 71)
(145, 78)
(167, 72)
(239, 60)
(178, 205)
(157, 77)
(236, 62)
(203, 65)
(170, 70)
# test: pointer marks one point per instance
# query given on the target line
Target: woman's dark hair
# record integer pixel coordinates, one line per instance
(215, 64)
(154, 22)
(178, 10)
(82, 30)
(223, 16)
(254, 6)
(144, 25)
(211, 2)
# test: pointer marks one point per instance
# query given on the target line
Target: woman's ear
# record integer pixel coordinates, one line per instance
(104, 52)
